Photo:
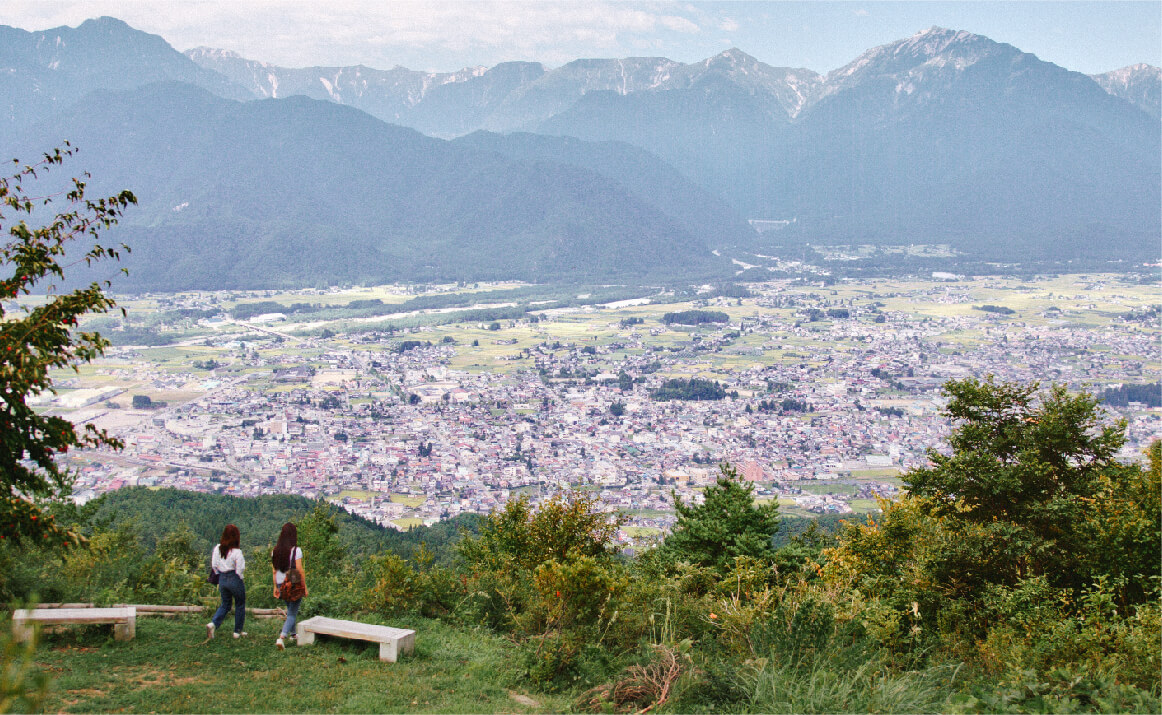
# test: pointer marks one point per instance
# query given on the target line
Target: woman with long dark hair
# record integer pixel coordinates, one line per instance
(227, 559)
(290, 583)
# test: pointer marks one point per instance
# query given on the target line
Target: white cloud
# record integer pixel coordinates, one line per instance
(860, 13)
(728, 24)
(678, 24)
(291, 32)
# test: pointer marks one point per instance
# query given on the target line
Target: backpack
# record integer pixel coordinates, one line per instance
(292, 588)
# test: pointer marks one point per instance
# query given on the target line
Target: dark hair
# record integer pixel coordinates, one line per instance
(230, 540)
(285, 548)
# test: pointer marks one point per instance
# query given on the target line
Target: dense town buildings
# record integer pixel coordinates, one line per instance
(812, 400)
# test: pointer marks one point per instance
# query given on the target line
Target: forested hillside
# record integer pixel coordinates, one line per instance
(156, 513)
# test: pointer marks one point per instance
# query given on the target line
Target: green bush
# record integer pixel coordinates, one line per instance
(394, 586)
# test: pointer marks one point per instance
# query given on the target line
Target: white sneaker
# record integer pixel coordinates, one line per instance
(238, 634)
(210, 630)
(279, 644)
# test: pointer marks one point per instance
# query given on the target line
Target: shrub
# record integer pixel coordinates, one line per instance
(397, 586)
(565, 527)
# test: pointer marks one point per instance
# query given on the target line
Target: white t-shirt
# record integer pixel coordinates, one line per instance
(280, 576)
(234, 561)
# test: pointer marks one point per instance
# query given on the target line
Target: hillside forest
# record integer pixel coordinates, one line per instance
(1019, 572)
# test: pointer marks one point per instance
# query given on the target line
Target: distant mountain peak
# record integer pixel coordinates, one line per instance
(933, 49)
(106, 21)
(936, 41)
(203, 51)
(1139, 84)
(733, 55)
(1125, 73)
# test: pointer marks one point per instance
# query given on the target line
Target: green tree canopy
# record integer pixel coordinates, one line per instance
(727, 524)
(43, 338)
(565, 527)
(1019, 482)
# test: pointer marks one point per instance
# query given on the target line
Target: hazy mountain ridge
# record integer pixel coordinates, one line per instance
(298, 191)
(543, 93)
(945, 136)
(46, 71)
(942, 137)
(387, 94)
(60, 65)
(791, 89)
(648, 178)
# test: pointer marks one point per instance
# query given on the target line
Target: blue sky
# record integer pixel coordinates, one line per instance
(1088, 37)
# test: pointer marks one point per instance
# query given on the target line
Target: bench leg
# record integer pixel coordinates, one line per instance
(388, 650)
(21, 631)
(124, 631)
(305, 637)
(407, 644)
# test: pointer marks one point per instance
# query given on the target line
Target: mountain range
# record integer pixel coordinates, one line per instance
(518, 96)
(618, 169)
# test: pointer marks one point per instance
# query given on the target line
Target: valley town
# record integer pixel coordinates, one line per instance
(820, 393)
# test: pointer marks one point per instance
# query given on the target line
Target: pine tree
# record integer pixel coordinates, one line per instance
(725, 525)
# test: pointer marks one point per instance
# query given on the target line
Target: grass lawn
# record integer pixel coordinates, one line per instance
(639, 531)
(360, 494)
(409, 501)
(864, 506)
(170, 668)
(826, 488)
(875, 474)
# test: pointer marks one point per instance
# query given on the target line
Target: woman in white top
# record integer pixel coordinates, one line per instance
(288, 555)
(226, 558)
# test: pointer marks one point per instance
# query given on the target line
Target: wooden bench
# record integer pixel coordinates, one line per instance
(124, 620)
(393, 642)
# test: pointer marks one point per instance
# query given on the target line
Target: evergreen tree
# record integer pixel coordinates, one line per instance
(727, 524)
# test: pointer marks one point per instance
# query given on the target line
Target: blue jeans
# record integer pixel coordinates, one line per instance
(292, 613)
(232, 589)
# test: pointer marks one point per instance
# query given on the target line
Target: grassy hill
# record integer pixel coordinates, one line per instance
(170, 668)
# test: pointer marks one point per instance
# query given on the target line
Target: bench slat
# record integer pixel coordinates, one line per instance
(74, 615)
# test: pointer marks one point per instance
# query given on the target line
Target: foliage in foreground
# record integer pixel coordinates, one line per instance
(42, 339)
(958, 597)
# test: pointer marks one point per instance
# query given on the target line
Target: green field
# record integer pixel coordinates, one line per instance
(864, 506)
(641, 531)
(360, 494)
(826, 488)
(408, 500)
(887, 474)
